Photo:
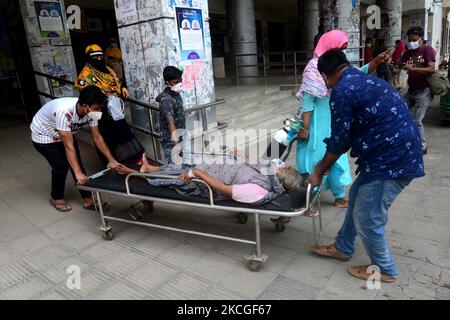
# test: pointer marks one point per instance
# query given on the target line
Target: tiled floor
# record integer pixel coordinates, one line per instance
(37, 243)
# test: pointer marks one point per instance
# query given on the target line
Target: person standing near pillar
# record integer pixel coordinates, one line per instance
(113, 126)
(368, 51)
(396, 56)
(113, 57)
(419, 61)
(318, 35)
(172, 117)
(383, 71)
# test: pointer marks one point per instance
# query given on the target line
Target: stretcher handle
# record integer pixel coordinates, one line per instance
(99, 174)
(316, 190)
(160, 176)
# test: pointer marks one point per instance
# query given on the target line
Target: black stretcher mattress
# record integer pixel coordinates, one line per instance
(112, 181)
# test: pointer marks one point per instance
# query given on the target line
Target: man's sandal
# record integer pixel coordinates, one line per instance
(62, 206)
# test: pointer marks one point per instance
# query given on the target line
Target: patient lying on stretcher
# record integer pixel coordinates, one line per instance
(229, 176)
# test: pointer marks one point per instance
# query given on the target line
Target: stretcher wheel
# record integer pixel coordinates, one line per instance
(254, 265)
(108, 235)
(280, 227)
(242, 218)
(148, 205)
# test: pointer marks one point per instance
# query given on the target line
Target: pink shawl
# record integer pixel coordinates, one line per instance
(312, 81)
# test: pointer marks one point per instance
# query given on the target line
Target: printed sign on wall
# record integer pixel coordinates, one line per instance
(190, 34)
(50, 19)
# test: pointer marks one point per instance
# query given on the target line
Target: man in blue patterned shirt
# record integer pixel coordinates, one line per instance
(370, 118)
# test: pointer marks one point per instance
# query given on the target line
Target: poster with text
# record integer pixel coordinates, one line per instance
(126, 9)
(50, 19)
(190, 34)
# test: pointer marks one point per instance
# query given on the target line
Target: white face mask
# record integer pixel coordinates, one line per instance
(413, 45)
(95, 115)
(344, 51)
(369, 45)
(178, 87)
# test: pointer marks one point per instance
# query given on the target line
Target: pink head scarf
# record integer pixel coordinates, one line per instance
(397, 54)
(312, 81)
(333, 39)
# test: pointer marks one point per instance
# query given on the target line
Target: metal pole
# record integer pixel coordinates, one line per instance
(19, 86)
(265, 71)
(237, 71)
(152, 132)
(195, 92)
(50, 88)
(100, 209)
(295, 67)
(320, 219)
(315, 230)
(258, 236)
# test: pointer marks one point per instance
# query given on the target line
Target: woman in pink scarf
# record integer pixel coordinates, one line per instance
(396, 56)
(399, 50)
(315, 102)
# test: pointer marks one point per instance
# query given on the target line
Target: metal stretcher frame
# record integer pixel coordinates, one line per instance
(254, 261)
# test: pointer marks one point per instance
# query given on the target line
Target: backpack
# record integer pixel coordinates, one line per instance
(438, 83)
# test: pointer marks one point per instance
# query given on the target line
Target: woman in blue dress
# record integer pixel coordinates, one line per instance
(314, 101)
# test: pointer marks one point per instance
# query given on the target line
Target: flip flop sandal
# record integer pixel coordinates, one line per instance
(92, 207)
(61, 207)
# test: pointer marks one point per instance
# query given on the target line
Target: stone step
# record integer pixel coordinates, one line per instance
(271, 124)
(239, 94)
(235, 110)
(263, 114)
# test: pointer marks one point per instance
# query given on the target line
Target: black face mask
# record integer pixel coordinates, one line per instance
(100, 65)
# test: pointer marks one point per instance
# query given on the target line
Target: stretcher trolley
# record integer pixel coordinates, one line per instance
(133, 186)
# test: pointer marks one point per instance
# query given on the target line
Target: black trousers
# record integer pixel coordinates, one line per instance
(55, 154)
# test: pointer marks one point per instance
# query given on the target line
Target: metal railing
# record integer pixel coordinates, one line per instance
(289, 61)
(359, 61)
(238, 58)
(295, 60)
(151, 108)
(13, 80)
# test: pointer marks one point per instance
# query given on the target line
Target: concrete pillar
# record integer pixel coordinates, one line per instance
(49, 55)
(425, 23)
(436, 38)
(394, 30)
(312, 21)
(148, 35)
(243, 37)
(345, 15)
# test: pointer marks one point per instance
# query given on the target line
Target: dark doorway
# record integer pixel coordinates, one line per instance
(19, 99)
(98, 26)
(276, 36)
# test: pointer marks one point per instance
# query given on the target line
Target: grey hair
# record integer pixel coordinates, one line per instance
(294, 182)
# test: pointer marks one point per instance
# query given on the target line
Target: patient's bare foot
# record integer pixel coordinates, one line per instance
(121, 169)
(147, 167)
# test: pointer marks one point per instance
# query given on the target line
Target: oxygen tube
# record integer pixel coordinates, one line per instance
(296, 123)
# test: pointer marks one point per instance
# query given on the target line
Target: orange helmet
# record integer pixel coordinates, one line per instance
(94, 50)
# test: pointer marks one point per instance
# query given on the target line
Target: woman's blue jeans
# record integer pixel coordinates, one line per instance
(367, 215)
